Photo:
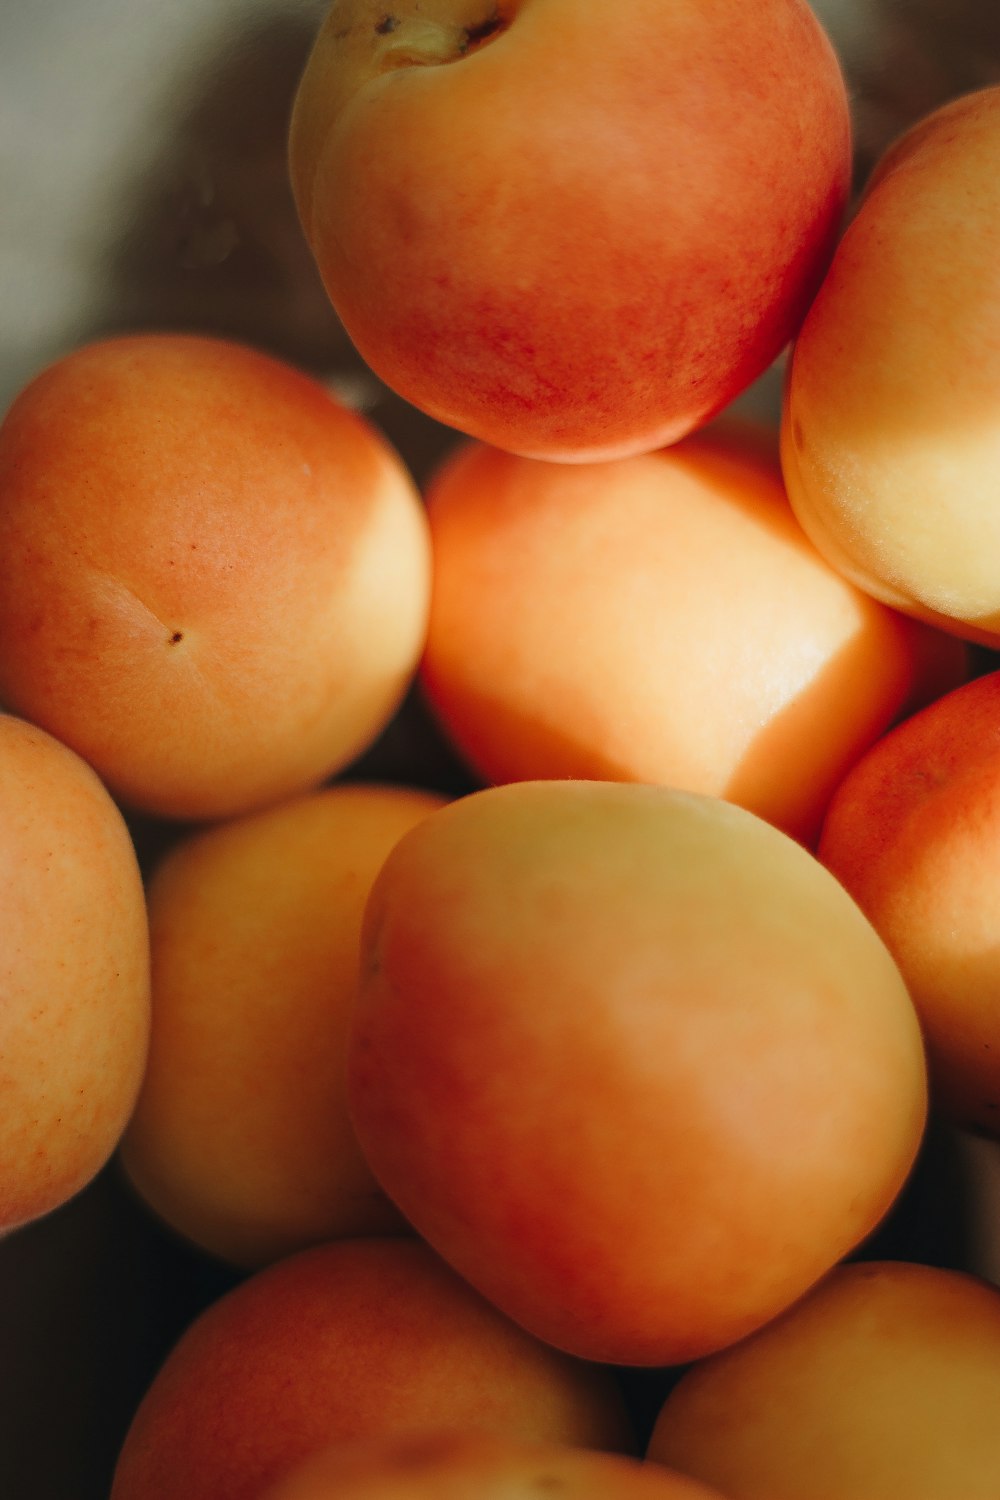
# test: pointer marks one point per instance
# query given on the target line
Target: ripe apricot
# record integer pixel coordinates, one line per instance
(663, 618)
(631, 1060)
(240, 1139)
(357, 1339)
(74, 956)
(215, 576)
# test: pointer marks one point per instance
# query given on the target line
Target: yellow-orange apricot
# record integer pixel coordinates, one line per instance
(240, 1139)
(357, 1339)
(663, 618)
(881, 1383)
(890, 442)
(74, 1013)
(215, 576)
(477, 1466)
(631, 1060)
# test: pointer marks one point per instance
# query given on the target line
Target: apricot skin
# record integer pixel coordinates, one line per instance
(240, 1138)
(555, 239)
(358, 1339)
(912, 833)
(459, 1466)
(882, 1382)
(215, 577)
(631, 1060)
(663, 618)
(889, 435)
(74, 953)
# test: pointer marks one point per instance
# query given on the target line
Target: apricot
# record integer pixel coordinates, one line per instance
(912, 833)
(890, 442)
(75, 963)
(663, 618)
(570, 231)
(241, 1139)
(215, 577)
(457, 1466)
(882, 1382)
(357, 1339)
(631, 1060)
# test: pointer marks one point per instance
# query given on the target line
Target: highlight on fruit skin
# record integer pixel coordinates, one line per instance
(631, 1060)
(890, 444)
(662, 618)
(216, 577)
(571, 232)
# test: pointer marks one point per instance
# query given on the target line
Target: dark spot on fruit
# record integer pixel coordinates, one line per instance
(482, 31)
(386, 25)
(178, 635)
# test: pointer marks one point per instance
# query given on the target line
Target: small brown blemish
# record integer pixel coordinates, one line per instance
(482, 31)
(178, 635)
(386, 25)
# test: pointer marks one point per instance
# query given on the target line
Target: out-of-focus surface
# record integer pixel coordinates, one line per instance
(143, 185)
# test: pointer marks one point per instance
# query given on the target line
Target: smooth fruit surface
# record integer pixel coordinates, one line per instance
(889, 440)
(240, 1139)
(631, 1060)
(74, 961)
(880, 1383)
(358, 1339)
(459, 1466)
(567, 230)
(215, 577)
(662, 618)
(912, 833)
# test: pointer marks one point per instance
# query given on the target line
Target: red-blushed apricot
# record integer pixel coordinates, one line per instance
(631, 1060)
(74, 974)
(571, 231)
(241, 1139)
(663, 618)
(881, 1383)
(476, 1466)
(357, 1339)
(215, 577)
(913, 833)
(890, 442)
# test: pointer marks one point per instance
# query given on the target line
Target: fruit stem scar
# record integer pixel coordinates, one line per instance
(415, 38)
(482, 31)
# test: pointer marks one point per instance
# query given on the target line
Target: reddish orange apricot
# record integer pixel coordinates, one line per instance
(358, 1339)
(913, 833)
(240, 1139)
(663, 618)
(74, 954)
(477, 1466)
(215, 577)
(882, 1382)
(571, 231)
(631, 1060)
